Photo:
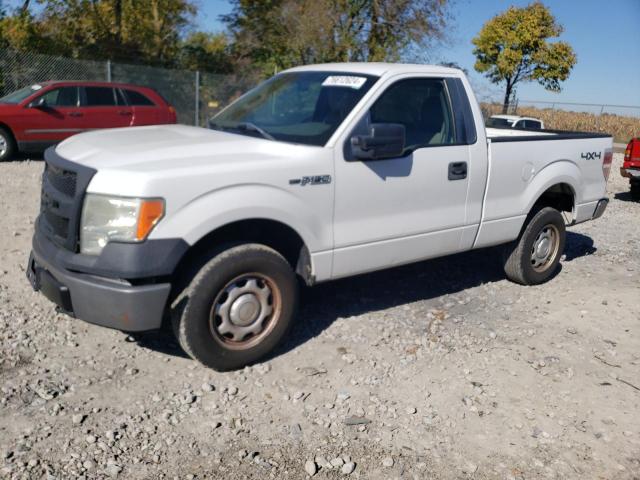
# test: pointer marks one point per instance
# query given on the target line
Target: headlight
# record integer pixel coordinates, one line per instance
(121, 219)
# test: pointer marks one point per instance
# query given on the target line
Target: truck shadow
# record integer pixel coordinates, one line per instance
(325, 303)
(625, 197)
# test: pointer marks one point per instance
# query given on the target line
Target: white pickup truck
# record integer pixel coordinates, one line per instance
(321, 172)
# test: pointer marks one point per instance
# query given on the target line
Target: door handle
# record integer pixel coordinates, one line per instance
(124, 112)
(457, 170)
(75, 114)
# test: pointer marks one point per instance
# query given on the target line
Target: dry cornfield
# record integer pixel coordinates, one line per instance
(621, 127)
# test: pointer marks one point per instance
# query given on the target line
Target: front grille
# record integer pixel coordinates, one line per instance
(63, 187)
(62, 180)
(59, 225)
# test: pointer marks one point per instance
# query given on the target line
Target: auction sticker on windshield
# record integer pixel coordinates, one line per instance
(344, 81)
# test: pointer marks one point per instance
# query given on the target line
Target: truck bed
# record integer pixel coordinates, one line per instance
(517, 173)
(508, 134)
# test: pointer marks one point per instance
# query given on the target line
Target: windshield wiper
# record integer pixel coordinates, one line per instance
(251, 127)
(243, 127)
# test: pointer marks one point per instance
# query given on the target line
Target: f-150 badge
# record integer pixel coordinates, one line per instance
(312, 180)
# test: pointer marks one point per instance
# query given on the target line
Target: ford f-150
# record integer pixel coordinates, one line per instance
(321, 172)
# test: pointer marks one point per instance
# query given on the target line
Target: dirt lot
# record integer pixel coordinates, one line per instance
(438, 370)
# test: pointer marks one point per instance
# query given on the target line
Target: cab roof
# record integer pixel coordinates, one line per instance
(375, 68)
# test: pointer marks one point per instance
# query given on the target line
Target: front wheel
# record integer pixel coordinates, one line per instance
(534, 257)
(238, 307)
(7, 145)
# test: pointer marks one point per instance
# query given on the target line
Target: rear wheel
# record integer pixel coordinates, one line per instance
(7, 145)
(238, 307)
(534, 257)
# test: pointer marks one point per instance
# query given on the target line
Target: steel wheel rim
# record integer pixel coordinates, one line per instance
(545, 248)
(245, 310)
(3, 145)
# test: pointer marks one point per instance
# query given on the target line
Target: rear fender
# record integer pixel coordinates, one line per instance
(563, 171)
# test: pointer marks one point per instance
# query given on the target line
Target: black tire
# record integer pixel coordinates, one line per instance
(635, 190)
(7, 145)
(523, 265)
(203, 312)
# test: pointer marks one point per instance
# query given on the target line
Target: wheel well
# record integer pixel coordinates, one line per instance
(560, 196)
(6, 127)
(282, 238)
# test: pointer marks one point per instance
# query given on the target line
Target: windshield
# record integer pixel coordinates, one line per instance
(296, 107)
(498, 122)
(19, 95)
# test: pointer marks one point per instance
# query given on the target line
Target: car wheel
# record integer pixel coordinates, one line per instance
(635, 190)
(7, 145)
(237, 308)
(534, 257)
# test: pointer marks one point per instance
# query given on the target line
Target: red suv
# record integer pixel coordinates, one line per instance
(35, 117)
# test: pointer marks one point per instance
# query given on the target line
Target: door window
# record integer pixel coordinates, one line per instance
(422, 106)
(138, 99)
(120, 99)
(99, 97)
(61, 97)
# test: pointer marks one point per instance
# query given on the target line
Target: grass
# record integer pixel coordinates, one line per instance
(621, 127)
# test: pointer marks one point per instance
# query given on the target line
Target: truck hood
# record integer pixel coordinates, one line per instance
(157, 147)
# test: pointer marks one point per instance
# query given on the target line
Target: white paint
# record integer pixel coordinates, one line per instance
(373, 214)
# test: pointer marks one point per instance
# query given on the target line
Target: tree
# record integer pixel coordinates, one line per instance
(206, 51)
(3, 14)
(514, 47)
(282, 33)
(148, 31)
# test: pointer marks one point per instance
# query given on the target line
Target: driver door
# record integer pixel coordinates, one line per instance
(53, 116)
(399, 210)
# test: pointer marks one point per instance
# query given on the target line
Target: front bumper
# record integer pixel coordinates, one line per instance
(110, 303)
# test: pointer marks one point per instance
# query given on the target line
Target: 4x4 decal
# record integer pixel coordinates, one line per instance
(591, 155)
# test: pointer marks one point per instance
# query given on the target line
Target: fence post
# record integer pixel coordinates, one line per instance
(197, 114)
(108, 70)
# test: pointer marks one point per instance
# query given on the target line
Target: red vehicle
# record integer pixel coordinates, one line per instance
(35, 117)
(631, 166)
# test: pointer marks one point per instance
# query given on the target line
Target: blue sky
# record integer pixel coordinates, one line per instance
(604, 33)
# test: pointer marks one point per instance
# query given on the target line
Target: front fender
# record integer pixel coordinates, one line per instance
(305, 214)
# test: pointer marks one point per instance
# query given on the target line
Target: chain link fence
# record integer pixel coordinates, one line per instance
(196, 96)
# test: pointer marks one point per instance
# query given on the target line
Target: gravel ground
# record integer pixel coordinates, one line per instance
(442, 369)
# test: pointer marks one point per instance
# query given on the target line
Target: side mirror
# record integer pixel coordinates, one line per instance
(385, 140)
